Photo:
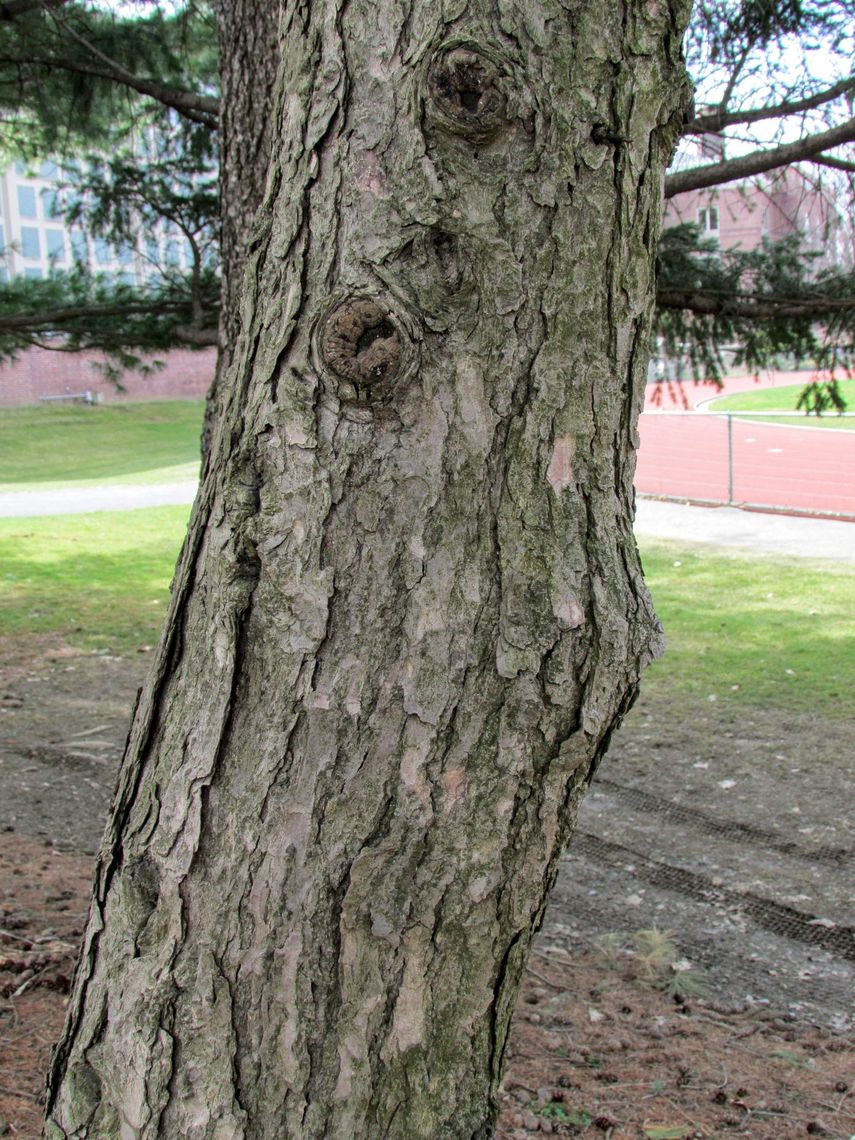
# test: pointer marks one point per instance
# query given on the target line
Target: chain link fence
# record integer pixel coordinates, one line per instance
(777, 461)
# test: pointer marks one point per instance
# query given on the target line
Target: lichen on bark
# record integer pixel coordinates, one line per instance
(406, 619)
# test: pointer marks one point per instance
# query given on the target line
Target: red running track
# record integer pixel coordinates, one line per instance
(795, 468)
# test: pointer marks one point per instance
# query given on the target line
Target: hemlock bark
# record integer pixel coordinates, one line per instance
(248, 34)
(409, 611)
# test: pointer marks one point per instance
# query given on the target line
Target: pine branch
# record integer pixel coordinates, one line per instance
(59, 319)
(707, 302)
(178, 99)
(758, 161)
(197, 337)
(11, 9)
(203, 109)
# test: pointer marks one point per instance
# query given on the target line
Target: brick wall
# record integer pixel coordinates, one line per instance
(39, 372)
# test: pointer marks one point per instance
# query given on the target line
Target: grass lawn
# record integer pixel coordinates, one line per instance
(784, 400)
(741, 629)
(98, 581)
(72, 445)
(756, 630)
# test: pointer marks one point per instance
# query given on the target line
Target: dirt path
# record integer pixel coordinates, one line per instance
(730, 829)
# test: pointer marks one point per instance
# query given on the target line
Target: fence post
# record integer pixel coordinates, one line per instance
(729, 459)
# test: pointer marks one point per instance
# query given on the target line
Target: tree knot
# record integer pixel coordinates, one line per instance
(360, 343)
(464, 87)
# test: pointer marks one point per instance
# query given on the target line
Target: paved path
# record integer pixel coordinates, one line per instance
(107, 497)
(725, 526)
(752, 530)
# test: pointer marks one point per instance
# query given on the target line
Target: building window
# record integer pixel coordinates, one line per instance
(125, 255)
(708, 220)
(48, 170)
(171, 253)
(103, 253)
(79, 248)
(2, 240)
(55, 245)
(30, 246)
(26, 201)
(51, 207)
(35, 274)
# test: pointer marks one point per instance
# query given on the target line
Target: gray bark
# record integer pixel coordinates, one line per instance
(248, 35)
(409, 611)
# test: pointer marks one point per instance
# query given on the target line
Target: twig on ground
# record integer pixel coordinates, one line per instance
(20, 1093)
(16, 937)
(542, 978)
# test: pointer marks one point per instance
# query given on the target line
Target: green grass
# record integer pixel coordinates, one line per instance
(761, 631)
(752, 630)
(784, 400)
(74, 445)
(96, 581)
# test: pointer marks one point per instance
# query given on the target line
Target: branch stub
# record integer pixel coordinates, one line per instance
(361, 343)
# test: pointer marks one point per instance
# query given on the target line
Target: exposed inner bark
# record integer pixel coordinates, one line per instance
(409, 611)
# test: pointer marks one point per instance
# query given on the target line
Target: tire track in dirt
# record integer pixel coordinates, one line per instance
(733, 831)
(777, 918)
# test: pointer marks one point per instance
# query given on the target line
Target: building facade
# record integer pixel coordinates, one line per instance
(35, 240)
(774, 206)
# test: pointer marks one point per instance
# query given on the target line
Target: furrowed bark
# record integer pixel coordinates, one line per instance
(409, 611)
(248, 35)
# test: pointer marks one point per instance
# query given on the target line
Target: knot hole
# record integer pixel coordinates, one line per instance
(464, 88)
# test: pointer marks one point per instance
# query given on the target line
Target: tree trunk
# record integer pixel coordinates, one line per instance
(409, 611)
(248, 34)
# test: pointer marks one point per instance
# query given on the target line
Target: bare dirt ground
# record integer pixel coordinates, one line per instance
(731, 830)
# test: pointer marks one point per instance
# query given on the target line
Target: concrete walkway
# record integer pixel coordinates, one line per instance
(788, 535)
(101, 497)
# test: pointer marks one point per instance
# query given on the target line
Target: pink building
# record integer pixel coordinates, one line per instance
(775, 205)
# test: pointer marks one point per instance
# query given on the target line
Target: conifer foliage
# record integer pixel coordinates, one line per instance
(127, 99)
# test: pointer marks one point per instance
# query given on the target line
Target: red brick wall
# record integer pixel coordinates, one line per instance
(39, 372)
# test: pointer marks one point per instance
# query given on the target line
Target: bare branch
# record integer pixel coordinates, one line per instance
(834, 163)
(734, 77)
(758, 161)
(718, 120)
